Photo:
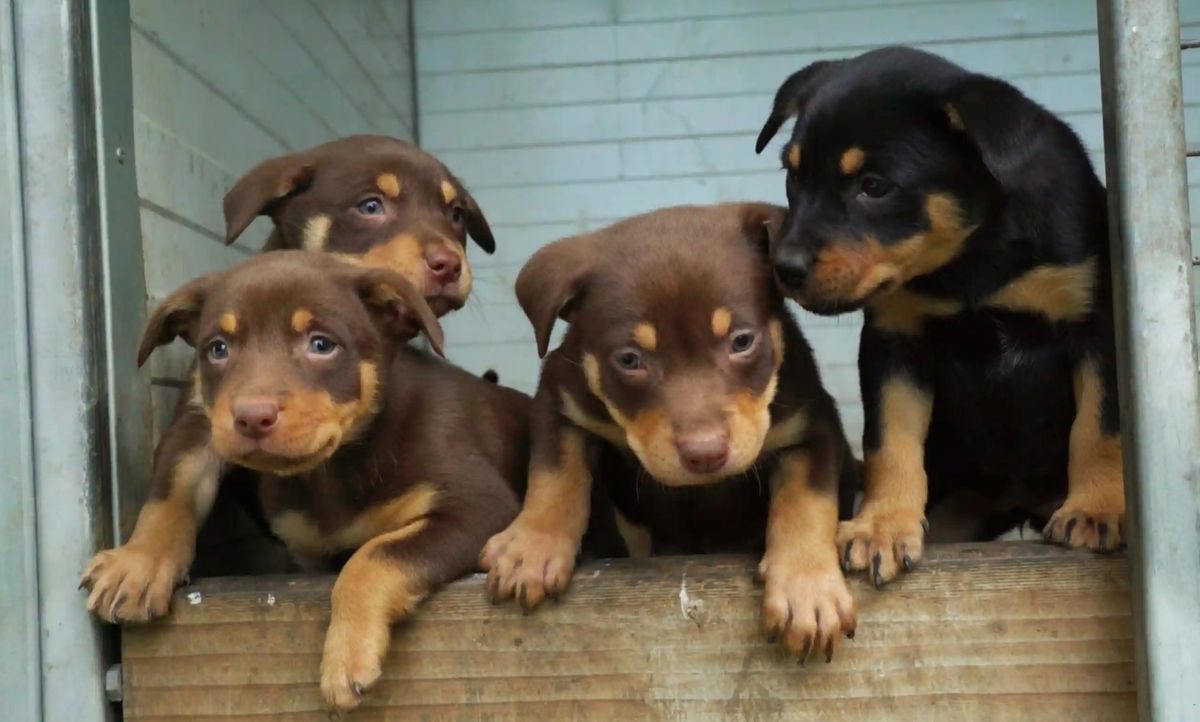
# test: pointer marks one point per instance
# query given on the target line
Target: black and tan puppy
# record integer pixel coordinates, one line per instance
(681, 369)
(967, 222)
(375, 200)
(364, 445)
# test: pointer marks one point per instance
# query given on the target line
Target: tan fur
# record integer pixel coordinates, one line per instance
(370, 594)
(722, 319)
(561, 499)
(646, 336)
(793, 156)
(955, 118)
(606, 430)
(652, 440)
(535, 555)
(389, 184)
(904, 312)
(896, 471)
(135, 580)
(301, 320)
(402, 254)
(852, 160)
(306, 540)
(853, 271)
(228, 323)
(1095, 472)
(787, 432)
(312, 427)
(316, 232)
(805, 597)
(890, 520)
(1060, 293)
(449, 192)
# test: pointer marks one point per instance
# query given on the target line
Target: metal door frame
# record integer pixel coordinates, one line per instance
(78, 290)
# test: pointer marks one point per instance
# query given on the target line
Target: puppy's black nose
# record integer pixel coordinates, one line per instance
(255, 418)
(792, 268)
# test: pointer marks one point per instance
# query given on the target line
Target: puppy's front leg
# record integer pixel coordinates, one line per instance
(134, 582)
(806, 603)
(1093, 516)
(887, 535)
(535, 556)
(389, 575)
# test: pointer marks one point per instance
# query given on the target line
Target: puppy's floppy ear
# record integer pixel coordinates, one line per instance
(761, 222)
(399, 306)
(266, 184)
(550, 285)
(791, 98)
(176, 316)
(990, 113)
(477, 225)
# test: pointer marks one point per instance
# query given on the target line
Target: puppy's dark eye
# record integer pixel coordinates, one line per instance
(742, 342)
(321, 345)
(218, 350)
(873, 186)
(370, 206)
(457, 214)
(628, 360)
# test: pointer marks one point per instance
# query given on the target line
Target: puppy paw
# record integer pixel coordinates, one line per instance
(529, 562)
(1082, 522)
(131, 583)
(806, 608)
(352, 661)
(885, 542)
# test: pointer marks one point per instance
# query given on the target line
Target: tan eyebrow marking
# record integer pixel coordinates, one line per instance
(449, 192)
(389, 184)
(646, 336)
(301, 320)
(852, 160)
(721, 320)
(793, 156)
(228, 322)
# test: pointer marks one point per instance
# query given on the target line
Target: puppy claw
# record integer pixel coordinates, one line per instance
(806, 609)
(529, 563)
(1083, 524)
(882, 542)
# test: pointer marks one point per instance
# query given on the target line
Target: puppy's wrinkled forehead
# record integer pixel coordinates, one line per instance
(265, 297)
(673, 271)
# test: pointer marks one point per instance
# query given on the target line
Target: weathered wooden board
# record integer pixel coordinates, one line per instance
(1002, 631)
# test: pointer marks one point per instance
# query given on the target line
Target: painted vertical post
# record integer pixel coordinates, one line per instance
(20, 678)
(1156, 338)
(63, 272)
(130, 436)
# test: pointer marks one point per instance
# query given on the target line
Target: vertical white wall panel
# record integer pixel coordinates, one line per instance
(565, 116)
(220, 85)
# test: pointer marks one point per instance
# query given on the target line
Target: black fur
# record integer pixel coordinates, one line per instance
(1001, 379)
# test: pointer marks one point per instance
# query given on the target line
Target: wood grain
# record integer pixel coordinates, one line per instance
(1003, 631)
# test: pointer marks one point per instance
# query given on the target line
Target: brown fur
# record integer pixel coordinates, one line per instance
(679, 442)
(312, 197)
(436, 459)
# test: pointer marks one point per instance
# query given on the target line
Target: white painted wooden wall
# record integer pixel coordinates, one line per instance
(222, 84)
(565, 115)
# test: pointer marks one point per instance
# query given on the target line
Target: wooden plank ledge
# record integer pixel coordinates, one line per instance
(1000, 631)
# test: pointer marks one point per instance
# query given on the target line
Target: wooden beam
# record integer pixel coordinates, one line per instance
(1002, 631)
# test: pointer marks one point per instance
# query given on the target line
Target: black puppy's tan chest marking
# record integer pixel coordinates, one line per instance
(1054, 293)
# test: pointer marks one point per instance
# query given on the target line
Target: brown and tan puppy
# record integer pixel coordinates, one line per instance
(372, 198)
(681, 369)
(364, 445)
